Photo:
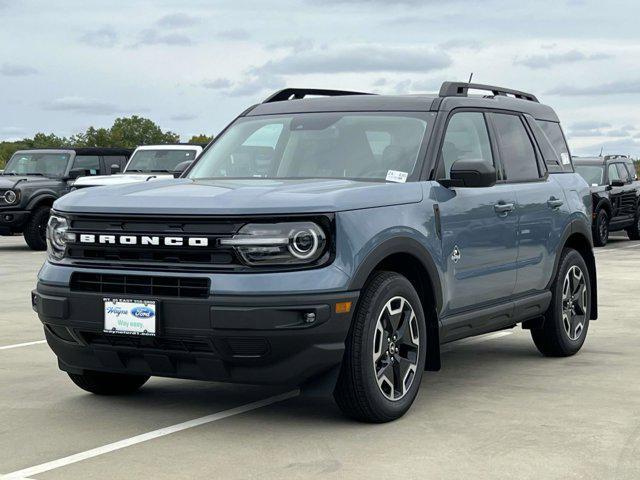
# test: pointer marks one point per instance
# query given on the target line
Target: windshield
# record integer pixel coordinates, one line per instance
(376, 146)
(158, 160)
(36, 163)
(591, 173)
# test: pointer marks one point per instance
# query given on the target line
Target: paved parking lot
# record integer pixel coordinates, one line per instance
(496, 410)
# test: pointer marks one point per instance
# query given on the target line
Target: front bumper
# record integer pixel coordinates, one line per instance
(263, 339)
(12, 221)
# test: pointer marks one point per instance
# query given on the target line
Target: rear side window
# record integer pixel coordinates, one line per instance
(90, 163)
(516, 150)
(554, 133)
(466, 139)
(115, 160)
(613, 172)
(622, 171)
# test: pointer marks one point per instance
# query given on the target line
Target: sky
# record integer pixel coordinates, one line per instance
(192, 65)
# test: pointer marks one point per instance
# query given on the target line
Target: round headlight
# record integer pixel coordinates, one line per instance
(10, 197)
(304, 244)
(58, 236)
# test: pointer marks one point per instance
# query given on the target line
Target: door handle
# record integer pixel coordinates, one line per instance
(504, 208)
(554, 202)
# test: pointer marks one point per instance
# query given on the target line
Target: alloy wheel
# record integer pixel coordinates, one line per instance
(396, 347)
(574, 302)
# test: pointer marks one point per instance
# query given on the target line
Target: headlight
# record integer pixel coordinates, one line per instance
(10, 197)
(291, 243)
(58, 235)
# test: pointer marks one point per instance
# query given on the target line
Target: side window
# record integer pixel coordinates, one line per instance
(466, 138)
(622, 171)
(90, 163)
(516, 150)
(613, 172)
(554, 133)
(114, 160)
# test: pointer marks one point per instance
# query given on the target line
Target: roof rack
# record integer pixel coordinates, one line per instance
(461, 89)
(299, 93)
(615, 157)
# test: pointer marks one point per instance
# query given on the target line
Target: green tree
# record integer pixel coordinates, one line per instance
(133, 131)
(201, 138)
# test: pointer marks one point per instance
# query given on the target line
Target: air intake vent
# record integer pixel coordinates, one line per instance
(248, 346)
(140, 285)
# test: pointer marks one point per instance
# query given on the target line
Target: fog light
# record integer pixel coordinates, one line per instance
(310, 317)
(8, 218)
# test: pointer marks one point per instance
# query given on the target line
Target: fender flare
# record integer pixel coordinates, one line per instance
(39, 199)
(603, 203)
(404, 245)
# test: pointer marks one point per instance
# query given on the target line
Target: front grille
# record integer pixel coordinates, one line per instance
(192, 344)
(140, 285)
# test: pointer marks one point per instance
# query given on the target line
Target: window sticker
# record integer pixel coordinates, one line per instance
(565, 158)
(396, 176)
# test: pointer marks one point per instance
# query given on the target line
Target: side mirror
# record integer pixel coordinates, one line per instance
(471, 173)
(617, 183)
(115, 168)
(181, 167)
(75, 173)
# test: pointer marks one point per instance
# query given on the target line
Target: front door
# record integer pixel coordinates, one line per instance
(478, 225)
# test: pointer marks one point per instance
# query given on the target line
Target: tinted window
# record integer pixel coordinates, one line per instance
(613, 172)
(554, 133)
(622, 171)
(90, 163)
(467, 139)
(591, 173)
(115, 160)
(161, 160)
(34, 163)
(516, 151)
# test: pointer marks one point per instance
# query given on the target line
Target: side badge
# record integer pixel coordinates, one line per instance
(455, 255)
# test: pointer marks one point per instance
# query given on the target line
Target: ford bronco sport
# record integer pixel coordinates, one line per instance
(33, 179)
(331, 243)
(615, 193)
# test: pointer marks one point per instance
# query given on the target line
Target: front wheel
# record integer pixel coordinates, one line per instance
(103, 383)
(634, 231)
(601, 229)
(566, 322)
(35, 231)
(385, 351)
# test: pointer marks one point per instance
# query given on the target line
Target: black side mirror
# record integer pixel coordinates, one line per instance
(76, 172)
(181, 167)
(617, 183)
(471, 173)
(115, 168)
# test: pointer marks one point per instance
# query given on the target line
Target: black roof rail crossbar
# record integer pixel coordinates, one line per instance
(615, 156)
(298, 93)
(461, 89)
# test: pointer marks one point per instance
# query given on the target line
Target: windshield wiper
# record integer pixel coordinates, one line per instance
(135, 170)
(9, 173)
(160, 171)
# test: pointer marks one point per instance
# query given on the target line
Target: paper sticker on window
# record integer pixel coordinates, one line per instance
(565, 158)
(396, 176)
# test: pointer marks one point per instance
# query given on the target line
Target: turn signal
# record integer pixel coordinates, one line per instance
(343, 307)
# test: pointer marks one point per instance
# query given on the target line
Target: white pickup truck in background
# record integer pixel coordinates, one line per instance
(148, 162)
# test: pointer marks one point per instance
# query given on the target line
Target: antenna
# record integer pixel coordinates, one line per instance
(601, 150)
(470, 77)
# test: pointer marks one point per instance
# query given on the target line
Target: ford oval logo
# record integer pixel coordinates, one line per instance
(142, 312)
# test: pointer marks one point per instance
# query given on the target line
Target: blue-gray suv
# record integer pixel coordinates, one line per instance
(330, 240)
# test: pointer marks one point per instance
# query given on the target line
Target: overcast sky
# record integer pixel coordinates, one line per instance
(192, 66)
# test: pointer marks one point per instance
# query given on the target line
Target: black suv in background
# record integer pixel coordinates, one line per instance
(33, 179)
(615, 191)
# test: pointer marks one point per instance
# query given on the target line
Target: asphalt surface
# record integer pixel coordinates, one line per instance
(497, 409)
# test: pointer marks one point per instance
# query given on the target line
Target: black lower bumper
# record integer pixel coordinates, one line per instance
(12, 221)
(250, 339)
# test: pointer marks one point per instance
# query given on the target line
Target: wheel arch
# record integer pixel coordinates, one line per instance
(603, 203)
(410, 259)
(46, 199)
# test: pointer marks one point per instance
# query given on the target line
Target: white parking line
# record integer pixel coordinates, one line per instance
(94, 452)
(608, 250)
(478, 339)
(18, 345)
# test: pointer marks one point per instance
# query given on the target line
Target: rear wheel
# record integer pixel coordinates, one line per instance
(634, 231)
(385, 351)
(566, 322)
(102, 383)
(601, 228)
(35, 231)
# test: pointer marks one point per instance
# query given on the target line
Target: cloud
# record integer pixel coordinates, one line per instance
(294, 44)
(152, 36)
(12, 131)
(17, 70)
(625, 146)
(599, 129)
(103, 37)
(217, 83)
(359, 59)
(177, 20)
(618, 87)
(552, 59)
(85, 106)
(234, 34)
(183, 117)
(252, 84)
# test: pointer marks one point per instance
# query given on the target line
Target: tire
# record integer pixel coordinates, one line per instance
(385, 307)
(563, 334)
(601, 228)
(634, 231)
(35, 231)
(102, 383)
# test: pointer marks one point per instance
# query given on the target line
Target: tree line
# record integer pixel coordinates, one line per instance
(126, 132)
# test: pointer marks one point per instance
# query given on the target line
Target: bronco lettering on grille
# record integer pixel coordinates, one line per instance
(87, 238)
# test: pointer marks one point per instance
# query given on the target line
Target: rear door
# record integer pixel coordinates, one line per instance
(627, 207)
(541, 205)
(616, 196)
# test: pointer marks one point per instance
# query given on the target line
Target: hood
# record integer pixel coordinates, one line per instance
(238, 197)
(10, 181)
(118, 179)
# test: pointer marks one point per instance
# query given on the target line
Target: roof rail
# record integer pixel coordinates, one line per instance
(298, 93)
(461, 89)
(614, 157)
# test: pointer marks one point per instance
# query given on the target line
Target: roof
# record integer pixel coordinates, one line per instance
(601, 160)
(82, 150)
(173, 146)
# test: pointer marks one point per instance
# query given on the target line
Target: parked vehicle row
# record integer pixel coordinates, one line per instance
(33, 179)
(332, 243)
